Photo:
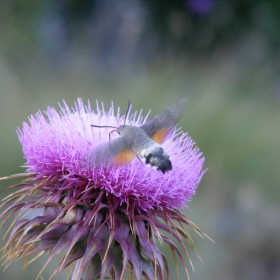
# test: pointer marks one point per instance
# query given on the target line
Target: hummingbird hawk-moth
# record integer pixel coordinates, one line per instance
(144, 141)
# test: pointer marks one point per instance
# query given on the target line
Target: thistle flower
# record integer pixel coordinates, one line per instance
(104, 219)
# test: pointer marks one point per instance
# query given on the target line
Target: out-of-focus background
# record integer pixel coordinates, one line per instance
(223, 55)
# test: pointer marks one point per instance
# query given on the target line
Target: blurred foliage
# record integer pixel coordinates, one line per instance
(223, 55)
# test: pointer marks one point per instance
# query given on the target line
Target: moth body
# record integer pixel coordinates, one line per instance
(143, 146)
(142, 141)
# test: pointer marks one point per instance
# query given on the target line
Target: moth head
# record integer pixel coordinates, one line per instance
(119, 129)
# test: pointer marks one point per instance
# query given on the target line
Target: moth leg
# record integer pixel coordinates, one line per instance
(139, 159)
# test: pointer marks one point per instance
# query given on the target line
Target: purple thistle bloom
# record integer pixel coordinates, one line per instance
(106, 217)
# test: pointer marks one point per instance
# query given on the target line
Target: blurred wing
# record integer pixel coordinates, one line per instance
(159, 126)
(116, 152)
(124, 157)
(160, 135)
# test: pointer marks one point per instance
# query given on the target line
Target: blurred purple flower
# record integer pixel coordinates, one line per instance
(105, 218)
(201, 7)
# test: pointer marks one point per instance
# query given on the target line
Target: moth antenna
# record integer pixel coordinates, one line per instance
(127, 110)
(103, 126)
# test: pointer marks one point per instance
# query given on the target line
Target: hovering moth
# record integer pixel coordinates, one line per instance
(144, 141)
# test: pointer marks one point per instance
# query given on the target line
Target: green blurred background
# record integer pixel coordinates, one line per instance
(223, 55)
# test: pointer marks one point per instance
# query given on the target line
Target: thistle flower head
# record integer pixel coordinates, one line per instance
(105, 216)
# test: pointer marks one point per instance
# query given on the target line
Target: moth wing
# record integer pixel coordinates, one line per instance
(159, 126)
(160, 135)
(116, 151)
(124, 157)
